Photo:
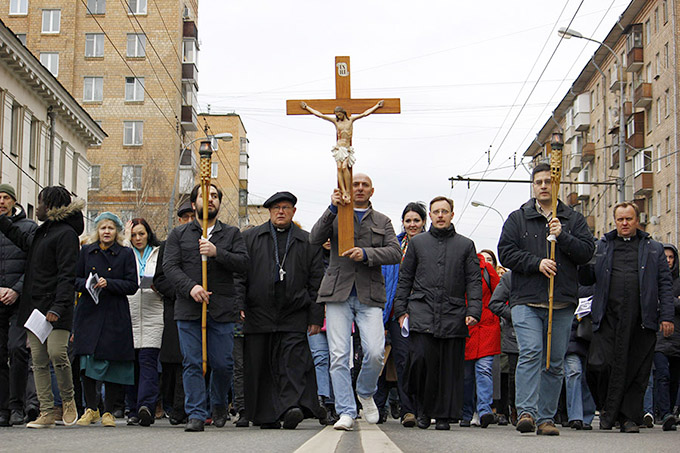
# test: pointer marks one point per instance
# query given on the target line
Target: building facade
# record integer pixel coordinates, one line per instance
(44, 132)
(132, 64)
(642, 66)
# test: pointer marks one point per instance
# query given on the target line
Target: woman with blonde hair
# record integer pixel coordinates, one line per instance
(102, 326)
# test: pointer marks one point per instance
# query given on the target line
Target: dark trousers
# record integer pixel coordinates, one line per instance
(399, 354)
(145, 390)
(13, 360)
(507, 401)
(172, 389)
(112, 394)
(238, 401)
(666, 381)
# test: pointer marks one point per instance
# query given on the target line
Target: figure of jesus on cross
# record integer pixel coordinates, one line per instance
(343, 151)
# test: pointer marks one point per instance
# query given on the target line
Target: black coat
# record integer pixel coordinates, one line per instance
(654, 277)
(499, 307)
(12, 258)
(670, 346)
(105, 329)
(304, 271)
(523, 245)
(182, 265)
(52, 253)
(170, 351)
(439, 271)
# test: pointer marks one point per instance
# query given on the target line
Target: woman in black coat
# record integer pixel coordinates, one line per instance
(103, 329)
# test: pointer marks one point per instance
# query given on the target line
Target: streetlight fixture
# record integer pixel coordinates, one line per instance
(479, 204)
(568, 33)
(213, 139)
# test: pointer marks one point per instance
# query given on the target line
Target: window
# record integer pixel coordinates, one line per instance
(96, 6)
(668, 238)
(94, 181)
(664, 11)
(18, 6)
(648, 32)
(666, 102)
(656, 20)
(657, 65)
(34, 143)
(214, 169)
(649, 117)
(134, 89)
(650, 206)
(94, 44)
(50, 20)
(93, 89)
(136, 45)
(137, 6)
(642, 162)
(665, 56)
(91, 215)
(667, 149)
(51, 61)
(62, 163)
(16, 129)
(648, 73)
(189, 51)
(658, 202)
(132, 177)
(658, 110)
(127, 214)
(132, 133)
(668, 197)
(22, 38)
(597, 94)
(659, 156)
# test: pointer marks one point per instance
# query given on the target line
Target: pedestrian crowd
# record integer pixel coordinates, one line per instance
(418, 325)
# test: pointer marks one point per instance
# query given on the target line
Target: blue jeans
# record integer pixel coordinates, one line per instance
(220, 338)
(537, 391)
(478, 374)
(648, 402)
(339, 318)
(580, 402)
(318, 345)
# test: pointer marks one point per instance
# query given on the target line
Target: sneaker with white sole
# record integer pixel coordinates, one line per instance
(45, 420)
(346, 423)
(69, 413)
(371, 413)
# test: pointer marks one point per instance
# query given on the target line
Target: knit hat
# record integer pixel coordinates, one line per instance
(9, 190)
(109, 216)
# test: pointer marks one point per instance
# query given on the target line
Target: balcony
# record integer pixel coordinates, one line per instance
(627, 109)
(583, 191)
(635, 130)
(634, 51)
(581, 112)
(574, 162)
(643, 184)
(635, 59)
(189, 72)
(189, 120)
(590, 221)
(190, 30)
(643, 95)
(572, 199)
(614, 162)
(615, 85)
(587, 153)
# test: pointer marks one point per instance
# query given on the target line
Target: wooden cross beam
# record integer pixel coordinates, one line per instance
(343, 98)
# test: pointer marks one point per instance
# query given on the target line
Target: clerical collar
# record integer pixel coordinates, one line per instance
(625, 239)
(282, 230)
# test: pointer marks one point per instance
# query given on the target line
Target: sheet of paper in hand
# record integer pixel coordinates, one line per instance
(39, 325)
(90, 286)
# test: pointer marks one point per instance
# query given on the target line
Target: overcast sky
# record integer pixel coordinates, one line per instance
(463, 71)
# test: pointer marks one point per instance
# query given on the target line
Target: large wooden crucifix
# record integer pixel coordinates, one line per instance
(343, 106)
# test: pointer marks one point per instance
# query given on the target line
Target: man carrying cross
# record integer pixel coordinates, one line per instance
(343, 151)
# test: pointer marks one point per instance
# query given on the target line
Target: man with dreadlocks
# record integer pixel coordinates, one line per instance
(49, 287)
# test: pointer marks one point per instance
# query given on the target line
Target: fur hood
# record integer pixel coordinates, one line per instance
(70, 214)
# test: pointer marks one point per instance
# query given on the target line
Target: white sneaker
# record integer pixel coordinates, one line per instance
(475, 420)
(371, 413)
(345, 423)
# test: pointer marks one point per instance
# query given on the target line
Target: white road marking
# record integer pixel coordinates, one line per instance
(326, 441)
(374, 440)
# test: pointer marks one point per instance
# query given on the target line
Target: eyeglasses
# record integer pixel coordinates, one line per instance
(280, 208)
(542, 182)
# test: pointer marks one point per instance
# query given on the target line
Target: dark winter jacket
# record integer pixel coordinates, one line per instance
(670, 346)
(439, 271)
(304, 269)
(523, 245)
(170, 352)
(580, 346)
(52, 253)
(105, 329)
(656, 297)
(12, 258)
(182, 266)
(499, 307)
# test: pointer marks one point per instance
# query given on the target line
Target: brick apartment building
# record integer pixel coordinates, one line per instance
(132, 64)
(645, 40)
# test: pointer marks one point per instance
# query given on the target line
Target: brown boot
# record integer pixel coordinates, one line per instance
(547, 429)
(45, 420)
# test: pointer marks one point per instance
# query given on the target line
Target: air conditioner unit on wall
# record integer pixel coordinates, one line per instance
(643, 218)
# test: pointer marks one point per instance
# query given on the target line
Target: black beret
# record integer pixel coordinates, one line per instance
(186, 207)
(279, 196)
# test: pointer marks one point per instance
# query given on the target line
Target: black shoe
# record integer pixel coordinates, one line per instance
(503, 420)
(292, 418)
(423, 422)
(145, 417)
(331, 416)
(442, 424)
(668, 423)
(194, 425)
(16, 418)
(133, 421)
(587, 427)
(4, 419)
(119, 413)
(219, 416)
(486, 419)
(32, 413)
(576, 424)
(242, 421)
(394, 409)
(383, 416)
(465, 423)
(272, 425)
(629, 426)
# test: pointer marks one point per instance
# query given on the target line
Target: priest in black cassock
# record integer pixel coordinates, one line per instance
(633, 300)
(280, 289)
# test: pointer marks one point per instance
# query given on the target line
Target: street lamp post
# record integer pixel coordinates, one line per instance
(479, 204)
(224, 136)
(567, 33)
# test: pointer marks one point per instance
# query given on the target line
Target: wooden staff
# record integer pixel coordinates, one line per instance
(206, 156)
(555, 174)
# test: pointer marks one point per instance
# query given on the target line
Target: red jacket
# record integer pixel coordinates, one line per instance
(485, 336)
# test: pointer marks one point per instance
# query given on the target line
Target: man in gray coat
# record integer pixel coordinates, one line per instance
(353, 290)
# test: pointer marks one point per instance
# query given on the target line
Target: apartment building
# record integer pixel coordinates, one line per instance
(644, 42)
(44, 132)
(132, 64)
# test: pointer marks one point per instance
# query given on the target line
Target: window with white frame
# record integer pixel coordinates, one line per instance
(214, 169)
(650, 205)
(34, 144)
(642, 162)
(648, 116)
(51, 61)
(94, 44)
(648, 31)
(137, 6)
(94, 181)
(659, 157)
(134, 89)
(648, 73)
(136, 45)
(658, 110)
(656, 20)
(96, 6)
(189, 51)
(669, 197)
(657, 64)
(18, 7)
(659, 205)
(667, 149)
(50, 20)
(93, 89)
(132, 177)
(665, 56)
(133, 132)
(664, 11)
